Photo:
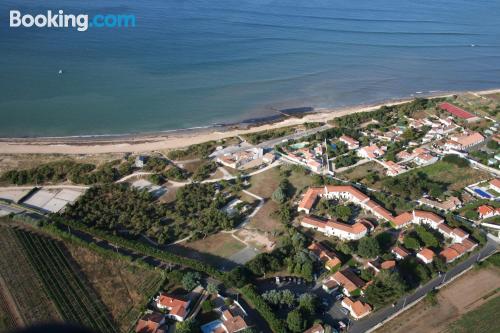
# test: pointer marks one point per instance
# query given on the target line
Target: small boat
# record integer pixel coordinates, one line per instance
(472, 45)
(60, 71)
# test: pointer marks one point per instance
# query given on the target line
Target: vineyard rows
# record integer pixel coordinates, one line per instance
(75, 301)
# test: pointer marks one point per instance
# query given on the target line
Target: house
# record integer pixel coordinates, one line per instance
(392, 168)
(268, 158)
(349, 281)
(230, 322)
(400, 252)
(316, 328)
(425, 159)
(350, 142)
(486, 211)
(330, 285)
(449, 255)
(463, 142)
(458, 112)
(140, 161)
(429, 218)
(240, 158)
(426, 255)
(330, 260)
(378, 265)
(371, 152)
(495, 185)
(334, 228)
(152, 322)
(309, 199)
(177, 308)
(357, 309)
(449, 204)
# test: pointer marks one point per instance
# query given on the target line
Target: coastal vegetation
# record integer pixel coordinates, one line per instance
(68, 170)
(201, 150)
(258, 137)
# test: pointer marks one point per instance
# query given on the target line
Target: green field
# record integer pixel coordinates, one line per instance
(484, 319)
(76, 302)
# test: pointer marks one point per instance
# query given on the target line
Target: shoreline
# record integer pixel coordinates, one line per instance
(180, 138)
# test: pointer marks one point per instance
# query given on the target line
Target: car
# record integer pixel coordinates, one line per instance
(344, 311)
(339, 297)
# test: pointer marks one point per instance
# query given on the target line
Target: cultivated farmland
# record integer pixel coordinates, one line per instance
(76, 302)
(23, 299)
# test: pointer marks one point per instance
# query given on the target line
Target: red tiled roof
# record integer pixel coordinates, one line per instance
(316, 328)
(359, 308)
(233, 323)
(449, 254)
(459, 232)
(428, 215)
(388, 264)
(469, 244)
(348, 280)
(349, 140)
(309, 198)
(444, 228)
(150, 323)
(485, 209)
(459, 248)
(356, 228)
(456, 111)
(401, 251)
(176, 306)
(427, 253)
(495, 182)
(403, 218)
(314, 221)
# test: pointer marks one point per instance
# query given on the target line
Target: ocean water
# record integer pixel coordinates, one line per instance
(196, 63)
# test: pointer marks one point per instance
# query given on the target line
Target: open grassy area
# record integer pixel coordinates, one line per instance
(122, 286)
(454, 177)
(299, 181)
(264, 183)
(263, 220)
(358, 174)
(484, 319)
(221, 245)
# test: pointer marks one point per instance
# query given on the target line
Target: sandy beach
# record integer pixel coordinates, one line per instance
(151, 142)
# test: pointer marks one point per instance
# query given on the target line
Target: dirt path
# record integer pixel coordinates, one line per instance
(461, 296)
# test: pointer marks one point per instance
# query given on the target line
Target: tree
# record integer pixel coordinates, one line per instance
(343, 212)
(191, 280)
(411, 243)
(368, 247)
(427, 237)
(439, 264)
(212, 288)
(295, 321)
(492, 144)
(308, 303)
(386, 288)
(279, 195)
(188, 326)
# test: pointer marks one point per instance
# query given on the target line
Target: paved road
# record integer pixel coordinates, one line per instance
(364, 324)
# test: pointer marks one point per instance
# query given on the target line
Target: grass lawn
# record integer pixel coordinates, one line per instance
(263, 184)
(123, 287)
(299, 181)
(484, 319)
(456, 178)
(358, 173)
(263, 220)
(220, 244)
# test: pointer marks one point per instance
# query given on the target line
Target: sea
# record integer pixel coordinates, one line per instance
(198, 63)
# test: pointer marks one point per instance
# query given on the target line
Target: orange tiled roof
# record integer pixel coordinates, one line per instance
(459, 232)
(176, 306)
(401, 251)
(356, 228)
(150, 323)
(388, 264)
(427, 253)
(403, 218)
(459, 248)
(349, 140)
(359, 308)
(348, 280)
(495, 182)
(233, 323)
(349, 189)
(428, 215)
(485, 209)
(449, 254)
(309, 198)
(469, 244)
(314, 221)
(316, 328)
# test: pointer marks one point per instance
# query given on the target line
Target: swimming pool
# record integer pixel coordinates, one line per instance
(482, 193)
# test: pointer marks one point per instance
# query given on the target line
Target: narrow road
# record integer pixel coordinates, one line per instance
(379, 316)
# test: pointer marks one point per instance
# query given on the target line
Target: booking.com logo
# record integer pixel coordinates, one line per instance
(80, 22)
